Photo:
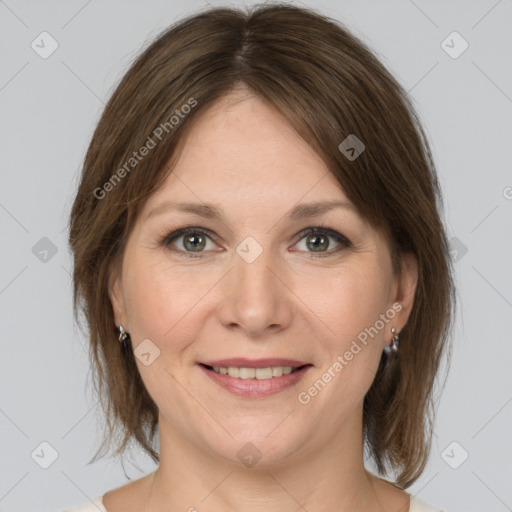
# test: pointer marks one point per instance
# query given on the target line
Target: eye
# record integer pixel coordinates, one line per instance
(192, 240)
(317, 241)
(187, 241)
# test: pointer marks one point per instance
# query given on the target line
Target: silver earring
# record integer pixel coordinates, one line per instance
(394, 346)
(124, 337)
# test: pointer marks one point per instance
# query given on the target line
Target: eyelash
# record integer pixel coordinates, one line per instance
(167, 240)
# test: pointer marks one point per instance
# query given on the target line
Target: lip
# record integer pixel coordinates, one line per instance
(256, 388)
(243, 362)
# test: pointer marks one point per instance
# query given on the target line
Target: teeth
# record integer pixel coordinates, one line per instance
(263, 373)
(277, 371)
(234, 372)
(251, 373)
(247, 373)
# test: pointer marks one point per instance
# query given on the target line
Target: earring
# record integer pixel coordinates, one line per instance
(124, 337)
(394, 346)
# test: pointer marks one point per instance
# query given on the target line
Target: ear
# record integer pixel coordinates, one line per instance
(115, 292)
(405, 288)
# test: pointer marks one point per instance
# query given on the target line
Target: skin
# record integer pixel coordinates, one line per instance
(290, 302)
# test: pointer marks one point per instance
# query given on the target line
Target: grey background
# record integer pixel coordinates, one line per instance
(49, 108)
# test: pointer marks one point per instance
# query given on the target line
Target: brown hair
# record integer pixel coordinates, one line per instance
(328, 85)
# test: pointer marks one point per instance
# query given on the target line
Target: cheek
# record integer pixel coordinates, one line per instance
(157, 299)
(352, 305)
(348, 301)
(165, 302)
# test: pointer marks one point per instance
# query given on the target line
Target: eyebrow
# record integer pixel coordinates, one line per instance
(210, 211)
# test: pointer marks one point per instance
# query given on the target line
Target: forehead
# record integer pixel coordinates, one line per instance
(241, 146)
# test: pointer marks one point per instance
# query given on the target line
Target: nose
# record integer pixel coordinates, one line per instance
(255, 296)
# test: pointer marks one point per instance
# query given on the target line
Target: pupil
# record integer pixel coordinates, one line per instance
(195, 241)
(318, 241)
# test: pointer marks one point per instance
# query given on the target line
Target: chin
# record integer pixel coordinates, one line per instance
(261, 446)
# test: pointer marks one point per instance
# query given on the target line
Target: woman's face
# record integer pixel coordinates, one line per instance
(256, 287)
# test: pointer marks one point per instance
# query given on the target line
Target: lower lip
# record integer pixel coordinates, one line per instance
(256, 388)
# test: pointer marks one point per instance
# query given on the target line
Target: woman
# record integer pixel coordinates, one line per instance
(264, 273)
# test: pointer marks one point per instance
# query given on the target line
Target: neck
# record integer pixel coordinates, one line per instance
(330, 476)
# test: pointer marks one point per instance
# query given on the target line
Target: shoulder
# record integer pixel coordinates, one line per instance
(93, 505)
(418, 505)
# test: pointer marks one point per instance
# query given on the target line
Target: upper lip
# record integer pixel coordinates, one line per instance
(243, 362)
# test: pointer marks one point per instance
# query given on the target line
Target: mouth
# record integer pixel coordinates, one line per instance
(255, 379)
(243, 372)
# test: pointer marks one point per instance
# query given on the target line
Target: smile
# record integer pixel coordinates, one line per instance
(255, 382)
(255, 373)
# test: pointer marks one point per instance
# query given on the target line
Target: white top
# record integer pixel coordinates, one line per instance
(96, 505)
